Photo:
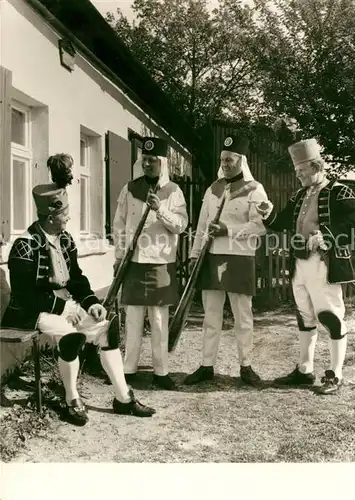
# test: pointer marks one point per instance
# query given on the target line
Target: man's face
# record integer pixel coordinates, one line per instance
(59, 221)
(306, 174)
(151, 165)
(230, 164)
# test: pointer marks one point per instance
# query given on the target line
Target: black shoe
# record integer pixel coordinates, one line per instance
(330, 383)
(130, 377)
(164, 381)
(76, 413)
(200, 375)
(248, 376)
(296, 378)
(134, 407)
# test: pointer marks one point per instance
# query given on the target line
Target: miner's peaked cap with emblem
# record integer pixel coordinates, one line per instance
(155, 146)
(236, 144)
(49, 199)
(306, 150)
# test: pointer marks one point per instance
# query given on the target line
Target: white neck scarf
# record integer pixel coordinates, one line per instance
(247, 175)
(164, 173)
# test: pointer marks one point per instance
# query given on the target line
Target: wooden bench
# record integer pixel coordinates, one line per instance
(12, 336)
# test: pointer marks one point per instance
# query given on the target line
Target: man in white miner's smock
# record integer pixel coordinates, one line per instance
(151, 277)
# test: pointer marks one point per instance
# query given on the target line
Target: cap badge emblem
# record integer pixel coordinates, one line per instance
(149, 145)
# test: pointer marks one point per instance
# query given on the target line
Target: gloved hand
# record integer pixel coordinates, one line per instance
(98, 312)
(316, 241)
(219, 229)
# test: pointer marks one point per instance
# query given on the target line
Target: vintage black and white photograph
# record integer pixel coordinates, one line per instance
(177, 248)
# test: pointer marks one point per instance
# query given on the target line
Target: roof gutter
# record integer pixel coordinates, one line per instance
(57, 25)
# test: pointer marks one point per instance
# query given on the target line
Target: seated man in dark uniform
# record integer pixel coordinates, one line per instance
(49, 292)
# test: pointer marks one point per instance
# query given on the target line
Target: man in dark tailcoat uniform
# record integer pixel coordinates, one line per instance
(321, 217)
(49, 292)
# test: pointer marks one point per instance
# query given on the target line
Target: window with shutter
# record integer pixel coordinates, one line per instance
(91, 177)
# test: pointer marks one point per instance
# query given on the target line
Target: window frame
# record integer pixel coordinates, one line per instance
(22, 153)
(85, 172)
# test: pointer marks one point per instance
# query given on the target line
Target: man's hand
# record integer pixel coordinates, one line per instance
(192, 263)
(243, 234)
(264, 208)
(73, 312)
(98, 312)
(153, 201)
(219, 229)
(74, 318)
(116, 266)
(316, 241)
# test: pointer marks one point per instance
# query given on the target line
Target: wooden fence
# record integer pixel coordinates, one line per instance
(272, 268)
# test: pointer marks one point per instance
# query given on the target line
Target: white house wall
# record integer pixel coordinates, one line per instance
(30, 51)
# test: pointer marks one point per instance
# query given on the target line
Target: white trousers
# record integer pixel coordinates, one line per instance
(312, 295)
(56, 326)
(159, 323)
(241, 305)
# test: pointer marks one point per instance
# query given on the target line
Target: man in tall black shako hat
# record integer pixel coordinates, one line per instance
(321, 217)
(49, 292)
(151, 281)
(230, 264)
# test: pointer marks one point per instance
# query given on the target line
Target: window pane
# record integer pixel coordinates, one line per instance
(18, 127)
(82, 153)
(19, 192)
(83, 203)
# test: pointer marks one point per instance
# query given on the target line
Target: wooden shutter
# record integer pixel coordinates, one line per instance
(118, 173)
(5, 152)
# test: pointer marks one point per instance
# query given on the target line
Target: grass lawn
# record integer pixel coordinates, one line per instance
(219, 421)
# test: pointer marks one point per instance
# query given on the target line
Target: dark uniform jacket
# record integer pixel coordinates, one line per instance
(31, 291)
(336, 217)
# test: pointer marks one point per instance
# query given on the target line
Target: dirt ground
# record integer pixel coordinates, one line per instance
(221, 421)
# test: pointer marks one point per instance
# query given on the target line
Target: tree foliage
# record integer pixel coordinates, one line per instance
(250, 64)
(202, 59)
(308, 68)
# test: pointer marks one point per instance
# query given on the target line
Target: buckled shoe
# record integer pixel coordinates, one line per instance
(330, 383)
(75, 412)
(134, 407)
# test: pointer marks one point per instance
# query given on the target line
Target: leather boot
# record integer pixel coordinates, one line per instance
(164, 381)
(200, 375)
(249, 377)
(295, 378)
